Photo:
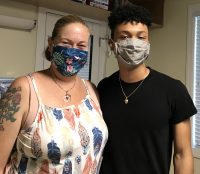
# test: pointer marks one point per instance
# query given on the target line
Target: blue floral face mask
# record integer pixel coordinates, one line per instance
(69, 61)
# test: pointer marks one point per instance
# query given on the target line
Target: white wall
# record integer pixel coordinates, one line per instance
(169, 42)
(17, 55)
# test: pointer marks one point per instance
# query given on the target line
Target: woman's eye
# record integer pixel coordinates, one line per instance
(82, 46)
(65, 43)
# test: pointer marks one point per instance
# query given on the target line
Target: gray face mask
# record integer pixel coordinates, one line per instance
(131, 52)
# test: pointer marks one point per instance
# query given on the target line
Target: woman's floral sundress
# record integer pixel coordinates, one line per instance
(66, 140)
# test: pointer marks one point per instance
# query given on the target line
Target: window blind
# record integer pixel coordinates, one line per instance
(196, 85)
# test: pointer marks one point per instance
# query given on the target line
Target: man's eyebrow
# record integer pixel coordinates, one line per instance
(128, 32)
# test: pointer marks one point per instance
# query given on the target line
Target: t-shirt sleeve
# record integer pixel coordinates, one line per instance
(181, 103)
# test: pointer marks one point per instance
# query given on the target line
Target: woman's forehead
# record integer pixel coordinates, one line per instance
(74, 30)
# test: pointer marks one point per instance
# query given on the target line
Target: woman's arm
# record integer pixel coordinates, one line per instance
(13, 109)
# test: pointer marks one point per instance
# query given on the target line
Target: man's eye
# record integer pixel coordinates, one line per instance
(123, 37)
(141, 37)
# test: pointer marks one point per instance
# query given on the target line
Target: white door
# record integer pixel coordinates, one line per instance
(94, 70)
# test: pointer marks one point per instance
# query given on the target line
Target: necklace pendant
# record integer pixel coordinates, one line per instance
(67, 97)
(126, 100)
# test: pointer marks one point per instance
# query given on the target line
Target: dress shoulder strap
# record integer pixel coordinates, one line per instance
(35, 87)
(33, 103)
(86, 88)
(92, 93)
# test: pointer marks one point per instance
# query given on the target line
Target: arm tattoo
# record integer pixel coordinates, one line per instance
(9, 105)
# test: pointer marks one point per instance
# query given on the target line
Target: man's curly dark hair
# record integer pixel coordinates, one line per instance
(129, 13)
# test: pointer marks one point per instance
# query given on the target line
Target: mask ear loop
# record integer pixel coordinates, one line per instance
(109, 51)
(50, 43)
(112, 47)
(52, 52)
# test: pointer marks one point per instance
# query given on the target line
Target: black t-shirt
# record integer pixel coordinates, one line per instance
(140, 132)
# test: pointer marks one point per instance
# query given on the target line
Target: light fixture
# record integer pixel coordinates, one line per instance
(16, 23)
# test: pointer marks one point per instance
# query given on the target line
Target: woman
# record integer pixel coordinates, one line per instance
(50, 120)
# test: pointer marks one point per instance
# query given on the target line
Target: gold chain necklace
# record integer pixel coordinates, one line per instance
(127, 96)
(67, 96)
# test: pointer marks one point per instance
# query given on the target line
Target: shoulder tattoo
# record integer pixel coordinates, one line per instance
(9, 105)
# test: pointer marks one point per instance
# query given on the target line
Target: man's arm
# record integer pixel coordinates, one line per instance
(183, 158)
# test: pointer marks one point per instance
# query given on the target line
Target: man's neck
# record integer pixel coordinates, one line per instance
(136, 74)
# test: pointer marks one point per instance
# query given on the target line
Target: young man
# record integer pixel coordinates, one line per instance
(146, 111)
